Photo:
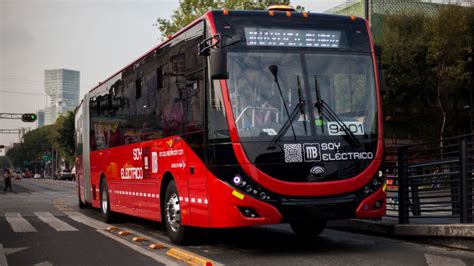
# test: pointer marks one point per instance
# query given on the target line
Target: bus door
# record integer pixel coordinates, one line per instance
(149, 205)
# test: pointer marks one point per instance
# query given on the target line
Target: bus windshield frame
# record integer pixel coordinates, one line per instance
(313, 123)
(345, 82)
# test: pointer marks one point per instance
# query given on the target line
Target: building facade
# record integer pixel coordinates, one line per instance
(378, 9)
(40, 117)
(62, 86)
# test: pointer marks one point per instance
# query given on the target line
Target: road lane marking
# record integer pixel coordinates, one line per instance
(18, 223)
(9, 251)
(99, 226)
(3, 257)
(139, 249)
(54, 222)
(102, 228)
(433, 260)
(44, 263)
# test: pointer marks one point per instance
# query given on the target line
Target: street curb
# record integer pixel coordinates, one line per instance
(188, 257)
(459, 236)
(436, 230)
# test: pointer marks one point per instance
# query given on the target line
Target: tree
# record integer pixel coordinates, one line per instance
(426, 69)
(450, 41)
(408, 76)
(4, 162)
(63, 137)
(189, 10)
(36, 143)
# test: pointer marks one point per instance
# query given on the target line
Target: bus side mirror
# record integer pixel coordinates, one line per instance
(218, 64)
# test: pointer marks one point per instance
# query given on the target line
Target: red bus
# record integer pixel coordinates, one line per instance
(241, 118)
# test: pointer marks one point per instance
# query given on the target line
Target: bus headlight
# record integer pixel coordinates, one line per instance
(244, 184)
(238, 181)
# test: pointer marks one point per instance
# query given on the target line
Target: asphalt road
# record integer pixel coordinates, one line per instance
(62, 234)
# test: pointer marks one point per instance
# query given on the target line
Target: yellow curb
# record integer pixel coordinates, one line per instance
(124, 233)
(188, 258)
(156, 246)
(138, 239)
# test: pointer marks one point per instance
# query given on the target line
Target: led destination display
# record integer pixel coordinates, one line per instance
(292, 37)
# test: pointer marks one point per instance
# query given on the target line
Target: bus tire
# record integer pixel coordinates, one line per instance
(178, 233)
(308, 229)
(107, 215)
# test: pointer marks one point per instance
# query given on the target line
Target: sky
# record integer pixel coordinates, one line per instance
(96, 37)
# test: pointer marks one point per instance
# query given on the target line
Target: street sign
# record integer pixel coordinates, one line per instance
(46, 158)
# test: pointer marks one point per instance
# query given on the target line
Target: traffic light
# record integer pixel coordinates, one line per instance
(28, 117)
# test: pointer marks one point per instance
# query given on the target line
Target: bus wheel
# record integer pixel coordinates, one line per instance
(107, 214)
(177, 232)
(308, 229)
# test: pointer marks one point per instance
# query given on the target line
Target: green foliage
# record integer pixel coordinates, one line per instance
(4, 162)
(409, 79)
(449, 44)
(35, 143)
(425, 66)
(63, 136)
(189, 10)
(38, 142)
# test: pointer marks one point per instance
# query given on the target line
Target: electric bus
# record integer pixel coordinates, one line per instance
(241, 118)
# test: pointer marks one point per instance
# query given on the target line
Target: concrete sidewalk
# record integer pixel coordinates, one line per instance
(449, 235)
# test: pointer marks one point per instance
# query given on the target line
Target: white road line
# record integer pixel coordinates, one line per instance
(3, 257)
(54, 222)
(433, 260)
(44, 263)
(18, 223)
(99, 226)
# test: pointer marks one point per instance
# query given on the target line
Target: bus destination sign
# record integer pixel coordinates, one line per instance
(292, 37)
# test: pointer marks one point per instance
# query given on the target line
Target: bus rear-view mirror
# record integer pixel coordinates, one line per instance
(218, 64)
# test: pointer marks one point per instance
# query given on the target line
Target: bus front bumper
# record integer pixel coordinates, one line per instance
(232, 208)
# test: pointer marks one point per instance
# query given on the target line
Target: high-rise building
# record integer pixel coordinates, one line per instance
(62, 85)
(40, 118)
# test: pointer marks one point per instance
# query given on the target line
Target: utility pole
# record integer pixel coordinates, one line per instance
(366, 9)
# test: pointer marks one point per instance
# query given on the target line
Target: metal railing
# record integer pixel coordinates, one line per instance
(433, 182)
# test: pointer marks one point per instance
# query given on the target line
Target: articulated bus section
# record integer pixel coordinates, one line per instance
(241, 118)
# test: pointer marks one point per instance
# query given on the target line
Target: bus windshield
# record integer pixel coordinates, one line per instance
(343, 82)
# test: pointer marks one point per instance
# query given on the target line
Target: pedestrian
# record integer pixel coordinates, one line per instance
(7, 175)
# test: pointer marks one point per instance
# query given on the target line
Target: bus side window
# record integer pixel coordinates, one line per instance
(171, 100)
(195, 84)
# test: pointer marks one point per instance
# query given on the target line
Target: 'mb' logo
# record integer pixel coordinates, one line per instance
(312, 152)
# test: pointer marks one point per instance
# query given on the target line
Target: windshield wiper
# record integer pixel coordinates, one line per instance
(274, 70)
(294, 114)
(321, 105)
(301, 101)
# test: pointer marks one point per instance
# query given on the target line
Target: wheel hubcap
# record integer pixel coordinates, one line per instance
(173, 214)
(104, 201)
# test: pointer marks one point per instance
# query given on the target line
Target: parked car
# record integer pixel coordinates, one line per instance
(37, 175)
(26, 174)
(65, 174)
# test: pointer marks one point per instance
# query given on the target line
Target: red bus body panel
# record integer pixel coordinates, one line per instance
(205, 200)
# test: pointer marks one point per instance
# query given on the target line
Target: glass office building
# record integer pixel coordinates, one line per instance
(62, 86)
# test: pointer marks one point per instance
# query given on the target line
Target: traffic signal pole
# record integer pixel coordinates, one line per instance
(25, 117)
